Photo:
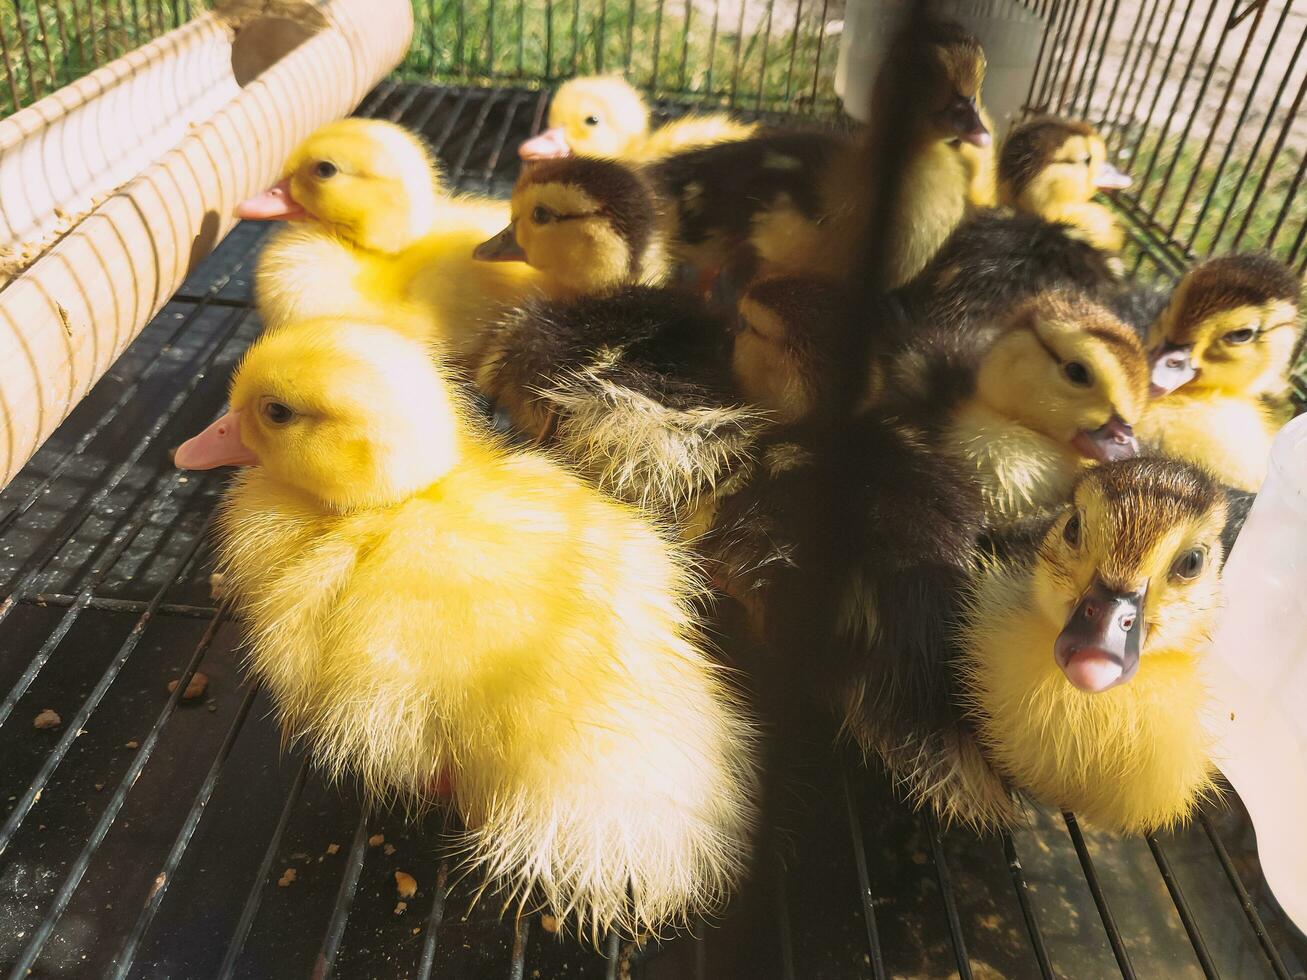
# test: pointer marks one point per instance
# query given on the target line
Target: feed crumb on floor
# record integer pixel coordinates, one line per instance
(376, 840)
(133, 744)
(333, 848)
(549, 923)
(400, 907)
(195, 688)
(405, 884)
(389, 849)
(48, 718)
(215, 587)
(286, 878)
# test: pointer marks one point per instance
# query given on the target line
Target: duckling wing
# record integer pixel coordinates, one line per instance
(858, 544)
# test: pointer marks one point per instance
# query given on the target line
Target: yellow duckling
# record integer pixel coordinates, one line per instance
(1053, 167)
(372, 235)
(1222, 350)
(587, 226)
(604, 116)
(981, 166)
(1081, 660)
(430, 609)
(1060, 386)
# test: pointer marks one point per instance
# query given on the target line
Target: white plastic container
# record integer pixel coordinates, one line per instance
(1009, 33)
(1258, 671)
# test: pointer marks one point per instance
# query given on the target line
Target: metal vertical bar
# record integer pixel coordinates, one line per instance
(945, 880)
(794, 50)
(25, 48)
(1182, 907)
(1075, 55)
(1122, 72)
(739, 46)
(1269, 168)
(1292, 193)
(1166, 70)
(349, 883)
(1093, 40)
(875, 955)
(490, 38)
(712, 46)
(15, 101)
(521, 36)
(517, 961)
(682, 83)
(1022, 889)
(657, 45)
(1100, 899)
(576, 34)
(1220, 115)
(434, 920)
(549, 39)
(1239, 123)
(1261, 134)
(1245, 900)
(602, 42)
(255, 897)
(1039, 58)
(122, 963)
(630, 34)
(460, 34)
(766, 50)
(1098, 65)
(63, 41)
(1057, 55)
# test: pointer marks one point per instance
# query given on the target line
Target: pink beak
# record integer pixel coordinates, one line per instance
(549, 145)
(274, 204)
(1109, 178)
(218, 445)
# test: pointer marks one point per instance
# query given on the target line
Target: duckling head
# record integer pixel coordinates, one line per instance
(1065, 367)
(787, 345)
(1050, 161)
(596, 116)
(369, 182)
(350, 414)
(1132, 567)
(587, 224)
(946, 74)
(1231, 326)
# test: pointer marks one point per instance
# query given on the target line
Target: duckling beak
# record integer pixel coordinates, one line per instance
(274, 204)
(1114, 439)
(1109, 178)
(963, 121)
(1098, 647)
(1172, 367)
(218, 445)
(502, 248)
(549, 145)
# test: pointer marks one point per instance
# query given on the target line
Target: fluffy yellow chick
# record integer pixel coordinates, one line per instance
(604, 116)
(372, 235)
(1222, 350)
(1053, 167)
(430, 609)
(586, 225)
(1060, 387)
(1082, 660)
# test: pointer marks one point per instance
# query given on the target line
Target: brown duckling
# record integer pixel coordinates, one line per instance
(1082, 657)
(1222, 351)
(1053, 167)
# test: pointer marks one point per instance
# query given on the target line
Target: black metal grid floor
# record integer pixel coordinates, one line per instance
(150, 837)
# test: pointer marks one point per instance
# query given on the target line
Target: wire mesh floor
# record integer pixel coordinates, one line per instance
(147, 836)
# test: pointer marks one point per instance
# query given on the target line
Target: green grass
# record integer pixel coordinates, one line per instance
(48, 44)
(673, 51)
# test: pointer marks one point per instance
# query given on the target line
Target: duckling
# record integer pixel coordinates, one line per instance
(1029, 403)
(1082, 659)
(430, 608)
(790, 349)
(1222, 351)
(586, 225)
(1053, 167)
(946, 72)
(633, 388)
(372, 235)
(982, 166)
(604, 116)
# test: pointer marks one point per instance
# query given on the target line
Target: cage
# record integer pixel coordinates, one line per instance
(149, 835)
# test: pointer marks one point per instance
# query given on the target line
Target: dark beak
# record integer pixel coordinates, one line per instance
(1114, 439)
(502, 248)
(1098, 647)
(1172, 367)
(963, 122)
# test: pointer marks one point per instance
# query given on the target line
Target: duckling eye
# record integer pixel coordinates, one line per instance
(1071, 533)
(1077, 374)
(277, 413)
(591, 120)
(542, 215)
(325, 170)
(1188, 565)
(1240, 336)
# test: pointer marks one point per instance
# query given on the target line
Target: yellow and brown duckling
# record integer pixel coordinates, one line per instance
(439, 614)
(586, 225)
(1082, 658)
(1029, 402)
(1053, 168)
(801, 201)
(604, 116)
(1222, 351)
